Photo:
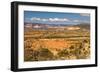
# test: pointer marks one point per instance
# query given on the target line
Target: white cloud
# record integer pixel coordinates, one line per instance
(84, 14)
(80, 21)
(50, 19)
(58, 19)
(44, 20)
(34, 18)
(76, 20)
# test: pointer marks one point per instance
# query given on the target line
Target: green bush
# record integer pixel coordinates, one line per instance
(45, 54)
(28, 55)
(63, 54)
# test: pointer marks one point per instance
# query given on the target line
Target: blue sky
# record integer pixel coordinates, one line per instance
(56, 17)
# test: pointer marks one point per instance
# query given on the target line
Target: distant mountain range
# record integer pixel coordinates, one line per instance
(48, 24)
(43, 26)
(83, 25)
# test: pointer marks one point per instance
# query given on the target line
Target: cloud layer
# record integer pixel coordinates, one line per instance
(58, 20)
(50, 19)
(84, 14)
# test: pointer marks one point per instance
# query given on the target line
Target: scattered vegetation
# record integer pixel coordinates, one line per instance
(77, 51)
(47, 45)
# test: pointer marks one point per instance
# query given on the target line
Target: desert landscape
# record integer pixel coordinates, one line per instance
(43, 42)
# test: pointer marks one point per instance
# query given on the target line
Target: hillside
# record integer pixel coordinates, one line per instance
(84, 25)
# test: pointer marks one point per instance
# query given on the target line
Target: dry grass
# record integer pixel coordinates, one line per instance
(47, 45)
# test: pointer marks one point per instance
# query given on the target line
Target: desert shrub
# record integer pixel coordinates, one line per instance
(28, 43)
(42, 54)
(63, 54)
(83, 51)
(35, 55)
(78, 53)
(28, 55)
(85, 41)
(71, 47)
(45, 54)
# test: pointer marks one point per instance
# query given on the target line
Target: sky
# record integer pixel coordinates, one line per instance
(56, 17)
